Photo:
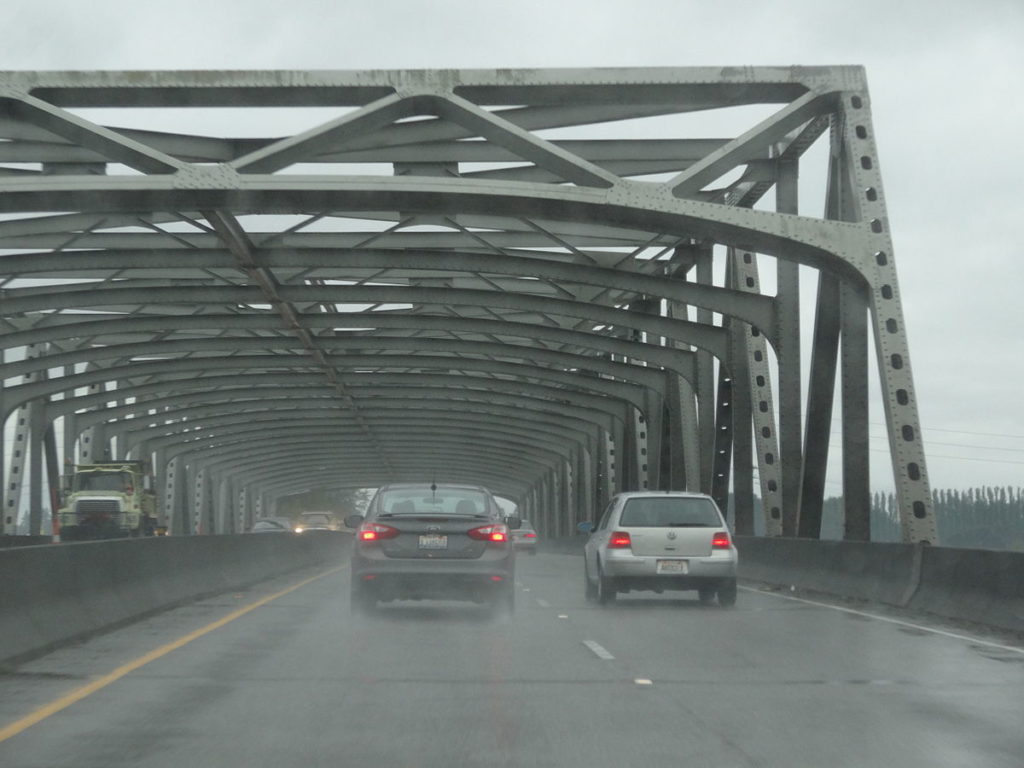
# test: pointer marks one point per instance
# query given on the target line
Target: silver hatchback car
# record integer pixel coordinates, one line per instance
(649, 540)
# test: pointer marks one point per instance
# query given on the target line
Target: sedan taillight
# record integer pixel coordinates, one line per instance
(376, 532)
(720, 541)
(620, 540)
(497, 532)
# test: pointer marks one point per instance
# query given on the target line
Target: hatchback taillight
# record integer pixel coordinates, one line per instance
(720, 541)
(376, 532)
(497, 532)
(620, 540)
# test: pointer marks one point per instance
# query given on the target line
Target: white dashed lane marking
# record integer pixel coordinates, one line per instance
(598, 650)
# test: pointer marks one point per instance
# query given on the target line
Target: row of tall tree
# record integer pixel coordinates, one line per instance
(988, 517)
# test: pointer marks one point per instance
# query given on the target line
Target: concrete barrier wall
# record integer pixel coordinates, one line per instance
(24, 541)
(981, 586)
(50, 595)
(884, 572)
(976, 585)
(973, 584)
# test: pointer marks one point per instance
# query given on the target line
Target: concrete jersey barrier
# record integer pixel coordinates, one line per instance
(976, 585)
(56, 594)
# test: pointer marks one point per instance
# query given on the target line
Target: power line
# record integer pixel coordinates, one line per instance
(957, 445)
(952, 431)
(940, 456)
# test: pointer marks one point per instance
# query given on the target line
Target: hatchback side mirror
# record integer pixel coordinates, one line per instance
(354, 521)
(585, 527)
(514, 522)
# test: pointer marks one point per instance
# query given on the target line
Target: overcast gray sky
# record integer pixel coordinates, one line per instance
(945, 80)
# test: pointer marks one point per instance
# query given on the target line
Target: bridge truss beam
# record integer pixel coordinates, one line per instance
(540, 274)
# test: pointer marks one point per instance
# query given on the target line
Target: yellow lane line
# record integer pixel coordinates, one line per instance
(102, 682)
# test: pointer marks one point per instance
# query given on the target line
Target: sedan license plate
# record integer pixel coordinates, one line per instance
(433, 541)
(672, 566)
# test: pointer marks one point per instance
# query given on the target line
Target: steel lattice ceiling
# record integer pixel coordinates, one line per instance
(474, 275)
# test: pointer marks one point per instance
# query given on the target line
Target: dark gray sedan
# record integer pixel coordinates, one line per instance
(433, 542)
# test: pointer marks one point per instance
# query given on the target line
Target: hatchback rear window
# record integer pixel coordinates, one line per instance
(669, 513)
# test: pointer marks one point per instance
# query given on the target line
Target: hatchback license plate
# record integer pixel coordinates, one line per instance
(673, 566)
(433, 541)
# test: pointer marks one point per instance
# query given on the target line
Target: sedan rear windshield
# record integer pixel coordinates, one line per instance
(443, 501)
(670, 513)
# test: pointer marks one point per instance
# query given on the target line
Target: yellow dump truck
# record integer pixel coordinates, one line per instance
(108, 500)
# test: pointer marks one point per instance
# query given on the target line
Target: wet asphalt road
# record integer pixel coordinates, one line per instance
(649, 681)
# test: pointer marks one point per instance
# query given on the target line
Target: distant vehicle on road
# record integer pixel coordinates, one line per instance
(108, 499)
(525, 537)
(433, 542)
(272, 525)
(661, 541)
(317, 521)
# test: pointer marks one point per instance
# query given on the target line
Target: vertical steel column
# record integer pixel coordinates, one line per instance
(617, 453)
(654, 445)
(528, 508)
(638, 453)
(865, 202)
(585, 473)
(550, 511)
(70, 437)
(92, 445)
(20, 468)
(737, 413)
(750, 351)
(16, 472)
(683, 444)
(167, 509)
(557, 494)
(824, 353)
(538, 506)
(820, 396)
(223, 513)
(609, 468)
(6, 516)
(854, 391)
(787, 351)
(565, 502)
(37, 427)
(721, 453)
(683, 430)
(242, 517)
(52, 473)
(202, 517)
(706, 396)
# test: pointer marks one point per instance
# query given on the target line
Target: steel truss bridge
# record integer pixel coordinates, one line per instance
(505, 277)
